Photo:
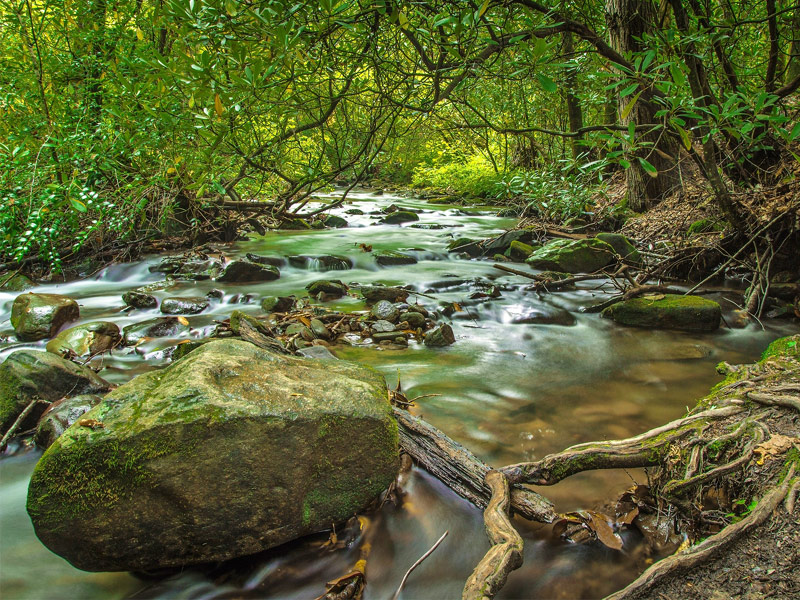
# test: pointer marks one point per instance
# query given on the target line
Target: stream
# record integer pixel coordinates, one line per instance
(508, 392)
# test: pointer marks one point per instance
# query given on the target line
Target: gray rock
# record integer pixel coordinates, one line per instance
(140, 300)
(230, 451)
(60, 415)
(414, 319)
(152, 328)
(319, 330)
(385, 310)
(382, 326)
(441, 336)
(374, 293)
(243, 271)
(184, 306)
(87, 339)
(277, 303)
(318, 352)
(39, 316)
(30, 374)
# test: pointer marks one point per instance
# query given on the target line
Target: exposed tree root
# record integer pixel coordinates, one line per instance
(505, 555)
(460, 470)
(709, 547)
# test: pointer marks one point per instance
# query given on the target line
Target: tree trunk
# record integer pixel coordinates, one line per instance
(574, 112)
(628, 21)
(793, 67)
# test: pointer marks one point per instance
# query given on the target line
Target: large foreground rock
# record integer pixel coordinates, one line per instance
(227, 452)
(667, 311)
(30, 374)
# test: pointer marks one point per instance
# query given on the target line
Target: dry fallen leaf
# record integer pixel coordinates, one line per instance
(91, 423)
(777, 444)
(183, 320)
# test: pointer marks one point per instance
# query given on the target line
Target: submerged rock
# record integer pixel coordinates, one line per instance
(60, 415)
(546, 315)
(275, 261)
(244, 271)
(183, 267)
(184, 306)
(227, 452)
(573, 256)
(387, 258)
(86, 340)
(334, 221)
(667, 311)
(38, 316)
(30, 374)
(160, 327)
(323, 262)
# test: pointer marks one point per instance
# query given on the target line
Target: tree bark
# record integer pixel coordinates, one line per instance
(574, 111)
(628, 21)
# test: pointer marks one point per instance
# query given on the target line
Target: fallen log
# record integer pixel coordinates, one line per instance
(462, 471)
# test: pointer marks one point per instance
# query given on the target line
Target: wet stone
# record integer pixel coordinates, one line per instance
(242, 271)
(544, 316)
(389, 258)
(441, 336)
(184, 306)
(15, 282)
(385, 310)
(374, 293)
(60, 415)
(381, 326)
(331, 287)
(277, 303)
(275, 261)
(319, 330)
(87, 339)
(388, 336)
(160, 327)
(39, 316)
(334, 221)
(414, 319)
(139, 300)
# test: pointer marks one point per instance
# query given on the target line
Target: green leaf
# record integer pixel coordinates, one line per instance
(77, 205)
(687, 142)
(648, 168)
(629, 107)
(795, 132)
(548, 85)
(628, 90)
(624, 163)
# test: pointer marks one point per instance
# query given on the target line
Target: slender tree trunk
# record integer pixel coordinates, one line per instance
(574, 111)
(793, 66)
(628, 21)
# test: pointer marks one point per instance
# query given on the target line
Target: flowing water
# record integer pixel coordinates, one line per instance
(509, 392)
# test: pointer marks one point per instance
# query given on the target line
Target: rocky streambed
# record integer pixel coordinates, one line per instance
(217, 338)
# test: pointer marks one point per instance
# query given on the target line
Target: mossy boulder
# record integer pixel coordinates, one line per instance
(334, 221)
(622, 245)
(573, 256)
(87, 339)
(388, 258)
(227, 452)
(15, 282)
(39, 316)
(519, 251)
(27, 375)
(329, 287)
(503, 242)
(136, 299)
(468, 245)
(400, 216)
(667, 311)
(788, 347)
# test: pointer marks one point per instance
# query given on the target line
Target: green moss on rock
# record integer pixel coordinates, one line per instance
(573, 256)
(667, 311)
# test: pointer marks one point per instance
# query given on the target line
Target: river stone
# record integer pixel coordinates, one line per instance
(275, 261)
(374, 293)
(385, 310)
(39, 316)
(60, 415)
(468, 245)
(277, 303)
(622, 245)
(382, 326)
(573, 256)
(295, 224)
(29, 374)
(547, 315)
(502, 243)
(237, 317)
(15, 282)
(400, 216)
(388, 336)
(441, 336)
(387, 258)
(334, 221)
(244, 271)
(319, 330)
(667, 311)
(518, 251)
(86, 339)
(331, 287)
(414, 319)
(225, 453)
(160, 327)
(184, 306)
(141, 300)
(188, 268)
(354, 211)
(318, 352)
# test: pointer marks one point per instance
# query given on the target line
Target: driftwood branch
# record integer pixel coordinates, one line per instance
(461, 470)
(505, 555)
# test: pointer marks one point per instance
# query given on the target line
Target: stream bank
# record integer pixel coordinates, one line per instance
(506, 390)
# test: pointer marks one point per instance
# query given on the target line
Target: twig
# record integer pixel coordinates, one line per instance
(20, 419)
(418, 563)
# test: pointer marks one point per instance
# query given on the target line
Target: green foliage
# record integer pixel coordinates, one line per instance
(558, 193)
(471, 176)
